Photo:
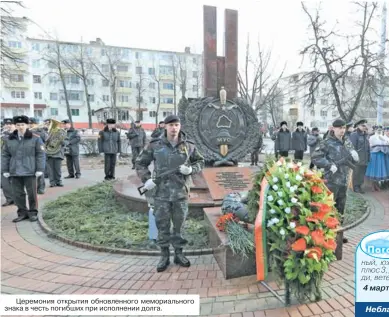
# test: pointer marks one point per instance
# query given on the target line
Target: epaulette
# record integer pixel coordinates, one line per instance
(155, 140)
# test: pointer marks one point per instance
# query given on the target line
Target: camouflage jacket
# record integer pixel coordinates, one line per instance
(173, 186)
(157, 133)
(334, 151)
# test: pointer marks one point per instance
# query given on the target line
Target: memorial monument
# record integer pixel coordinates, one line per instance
(224, 127)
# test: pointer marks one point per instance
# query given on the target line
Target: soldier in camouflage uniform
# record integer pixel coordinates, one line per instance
(44, 136)
(6, 185)
(157, 133)
(336, 155)
(172, 152)
(137, 136)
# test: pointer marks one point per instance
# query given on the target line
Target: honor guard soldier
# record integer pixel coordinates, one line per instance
(157, 133)
(175, 159)
(360, 140)
(46, 123)
(56, 156)
(299, 141)
(336, 155)
(72, 150)
(109, 143)
(23, 159)
(8, 128)
(44, 136)
(137, 136)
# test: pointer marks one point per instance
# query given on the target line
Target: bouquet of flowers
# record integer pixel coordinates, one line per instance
(300, 220)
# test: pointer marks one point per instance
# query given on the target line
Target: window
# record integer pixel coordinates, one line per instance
(152, 99)
(292, 100)
(53, 79)
(125, 83)
(138, 55)
(38, 113)
(72, 95)
(166, 70)
(54, 111)
(17, 78)
(167, 100)
(195, 74)
(35, 63)
(324, 90)
(122, 68)
(53, 96)
(51, 65)
(38, 95)
(151, 71)
(123, 115)
(312, 113)
(18, 94)
(139, 99)
(194, 60)
(103, 52)
(183, 73)
(324, 101)
(123, 98)
(105, 68)
(75, 112)
(105, 83)
(335, 113)
(37, 79)
(91, 98)
(167, 113)
(71, 79)
(15, 44)
(140, 116)
(323, 113)
(106, 98)
(195, 88)
(138, 70)
(152, 85)
(152, 114)
(90, 82)
(168, 86)
(125, 52)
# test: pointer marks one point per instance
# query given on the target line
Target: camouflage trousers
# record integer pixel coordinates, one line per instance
(167, 213)
(340, 196)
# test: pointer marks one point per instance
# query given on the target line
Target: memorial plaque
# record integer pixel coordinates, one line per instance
(224, 180)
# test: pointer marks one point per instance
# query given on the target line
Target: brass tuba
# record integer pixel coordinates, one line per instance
(56, 138)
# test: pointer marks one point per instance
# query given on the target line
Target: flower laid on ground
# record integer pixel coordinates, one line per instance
(221, 224)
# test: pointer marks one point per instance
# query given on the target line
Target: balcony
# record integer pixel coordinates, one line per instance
(166, 106)
(124, 74)
(124, 90)
(16, 84)
(167, 77)
(167, 92)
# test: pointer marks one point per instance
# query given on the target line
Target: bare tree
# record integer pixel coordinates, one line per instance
(198, 78)
(259, 90)
(140, 90)
(108, 73)
(182, 73)
(175, 81)
(80, 66)
(55, 58)
(11, 58)
(156, 76)
(338, 68)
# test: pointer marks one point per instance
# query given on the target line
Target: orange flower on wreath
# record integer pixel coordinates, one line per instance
(317, 237)
(321, 206)
(330, 244)
(304, 230)
(311, 219)
(314, 253)
(332, 222)
(299, 245)
(316, 190)
(319, 215)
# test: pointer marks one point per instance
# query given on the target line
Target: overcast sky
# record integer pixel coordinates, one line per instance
(173, 24)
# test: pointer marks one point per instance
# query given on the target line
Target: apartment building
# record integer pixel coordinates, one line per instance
(137, 83)
(323, 112)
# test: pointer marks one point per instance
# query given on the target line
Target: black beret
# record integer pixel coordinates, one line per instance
(160, 122)
(21, 119)
(111, 121)
(171, 119)
(350, 124)
(338, 123)
(300, 124)
(363, 121)
(315, 129)
(33, 121)
(137, 121)
(282, 123)
(8, 121)
(65, 121)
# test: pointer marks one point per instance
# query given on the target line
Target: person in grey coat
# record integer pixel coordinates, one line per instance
(157, 133)
(299, 141)
(44, 136)
(313, 141)
(359, 139)
(6, 185)
(23, 159)
(282, 140)
(137, 136)
(109, 143)
(72, 150)
(54, 160)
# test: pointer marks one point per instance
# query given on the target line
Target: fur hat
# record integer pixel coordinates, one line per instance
(8, 121)
(65, 121)
(300, 124)
(111, 121)
(283, 122)
(21, 119)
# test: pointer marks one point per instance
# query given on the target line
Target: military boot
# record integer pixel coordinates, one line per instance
(164, 261)
(180, 259)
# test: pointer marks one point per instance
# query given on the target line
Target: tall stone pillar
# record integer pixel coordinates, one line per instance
(231, 53)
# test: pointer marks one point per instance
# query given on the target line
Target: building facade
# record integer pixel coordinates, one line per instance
(95, 81)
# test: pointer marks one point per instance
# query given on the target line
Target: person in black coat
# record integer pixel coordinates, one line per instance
(72, 150)
(6, 186)
(109, 143)
(299, 141)
(282, 140)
